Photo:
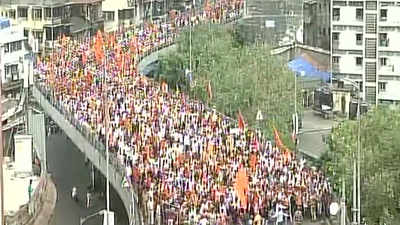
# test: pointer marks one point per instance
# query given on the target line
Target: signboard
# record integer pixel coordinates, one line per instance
(259, 116)
(23, 153)
(270, 23)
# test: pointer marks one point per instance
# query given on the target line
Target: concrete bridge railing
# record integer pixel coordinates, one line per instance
(88, 144)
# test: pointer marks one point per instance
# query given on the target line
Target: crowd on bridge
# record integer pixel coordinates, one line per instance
(176, 150)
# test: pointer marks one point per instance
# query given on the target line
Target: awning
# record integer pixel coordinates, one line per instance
(305, 69)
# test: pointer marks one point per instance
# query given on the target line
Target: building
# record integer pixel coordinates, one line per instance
(120, 13)
(365, 49)
(316, 24)
(15, 57)
(272, 21)
(48, 19)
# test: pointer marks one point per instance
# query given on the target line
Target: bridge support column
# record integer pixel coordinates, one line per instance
(92, 176)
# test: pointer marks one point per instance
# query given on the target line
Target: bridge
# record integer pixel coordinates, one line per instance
(94, 150)
(89, 143)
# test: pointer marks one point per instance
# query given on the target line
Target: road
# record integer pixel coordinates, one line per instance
(67, 166)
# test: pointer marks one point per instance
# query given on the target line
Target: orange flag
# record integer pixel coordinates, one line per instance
(242, 186)
(99, 52)
(253, 161)
(241, 121)
(278, 141)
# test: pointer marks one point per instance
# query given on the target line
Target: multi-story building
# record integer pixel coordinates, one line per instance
(120, 13)
(272, 21)
(15, 56)
(123, 13)
(365, 49)
(316, 24)
(48, 19)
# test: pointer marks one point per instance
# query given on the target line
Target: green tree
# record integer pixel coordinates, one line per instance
(380, 163)
(245, 77)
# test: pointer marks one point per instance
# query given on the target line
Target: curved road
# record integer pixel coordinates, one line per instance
(67, 166)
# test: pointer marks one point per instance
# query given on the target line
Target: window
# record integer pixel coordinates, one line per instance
(382, 86)
(359, 14)
(359, 61)
(6, 47)
(335, 36)
(336, 14)
(383, 16)
(26, 32)
(360, 85)
(359, 40)
(109, 16)
(22, 12)
(38, 35)
(335, 59)
(47, 13)
(15, 46)
(11, 13)
(36, 14)
(383, 61)
(383, 40)
(57, 12)
(11, 72)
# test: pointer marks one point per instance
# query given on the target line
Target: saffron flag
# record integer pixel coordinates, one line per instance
(99, 52)
(241, 121)
(242, 186)
(278, 141)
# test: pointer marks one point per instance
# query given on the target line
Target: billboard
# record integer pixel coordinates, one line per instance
(23, 153)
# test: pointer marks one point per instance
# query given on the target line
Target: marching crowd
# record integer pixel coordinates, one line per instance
(179, 152)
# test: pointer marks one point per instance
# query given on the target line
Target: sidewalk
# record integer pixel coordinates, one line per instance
(49, 199)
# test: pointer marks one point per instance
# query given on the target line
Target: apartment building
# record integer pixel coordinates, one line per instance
(15, 56)
(316, 24)
(120, 13)
(365, 36)
(48, 19)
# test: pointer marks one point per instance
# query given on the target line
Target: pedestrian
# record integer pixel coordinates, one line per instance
(30, 189)
(88, 196)
(280, 216)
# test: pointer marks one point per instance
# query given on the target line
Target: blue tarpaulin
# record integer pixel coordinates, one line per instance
(4, 23)
(304, 68)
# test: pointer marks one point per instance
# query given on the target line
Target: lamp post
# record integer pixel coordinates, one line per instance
(356, 163)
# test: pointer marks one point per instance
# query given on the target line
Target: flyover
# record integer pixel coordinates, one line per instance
(90, 144)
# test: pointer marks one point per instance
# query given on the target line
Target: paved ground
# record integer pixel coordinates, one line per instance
(68, 169)
(315, 127)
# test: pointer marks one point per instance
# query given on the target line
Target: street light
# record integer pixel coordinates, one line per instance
(356, 163)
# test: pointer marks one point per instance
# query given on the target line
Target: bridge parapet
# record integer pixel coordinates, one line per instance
(89, 144)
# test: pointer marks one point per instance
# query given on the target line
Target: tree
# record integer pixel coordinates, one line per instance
(380, 163)
(245, 77)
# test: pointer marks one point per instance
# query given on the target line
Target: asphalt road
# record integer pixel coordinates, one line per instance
(67, 166)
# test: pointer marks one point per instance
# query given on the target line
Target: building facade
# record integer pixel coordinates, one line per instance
(365, 49)
(48, 19)
(316, 24)
(15, 57)
(275, 22)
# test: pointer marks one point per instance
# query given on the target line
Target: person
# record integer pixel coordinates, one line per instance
(280, 216)
(30, 190)
(74, 194)
(88, 196)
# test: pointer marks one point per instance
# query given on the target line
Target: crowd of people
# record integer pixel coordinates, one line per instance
(176, 150)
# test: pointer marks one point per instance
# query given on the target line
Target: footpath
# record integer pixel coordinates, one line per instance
(48, 201)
